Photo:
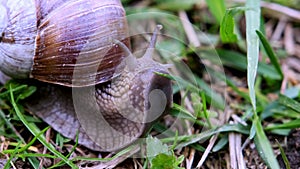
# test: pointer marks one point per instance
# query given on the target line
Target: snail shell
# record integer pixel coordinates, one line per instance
(94, 85)
(48, 40)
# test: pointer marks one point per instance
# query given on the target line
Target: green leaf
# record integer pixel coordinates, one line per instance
(213, 98)
(227, 29)
(288, 102)
(252, 24)
(155, 147)
(7, 165)
(284, 157)
(164, 48)
(217, 8)
(252, 131)
(26, 93)
(227, 26)
(270, 52)
(286, 125)
(203, 136)
(164, 161)
(183, 113)
(238, 61)
(263, 146)
(24, 148)
(160, 156)
(221, 143)
(283, 132)
(22, 91)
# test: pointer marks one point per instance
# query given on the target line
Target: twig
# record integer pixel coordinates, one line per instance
(189, 30)
(285, 78)
(277, 10)
(207, 150)
(286, 11)
(232, 152)
(279, 29)
(190, 160)
(289, 41)
(240, 159)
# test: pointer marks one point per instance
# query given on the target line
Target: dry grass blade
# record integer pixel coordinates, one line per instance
(116, 161)
(212, 142)
(235, 150)
(232, 152)
(279, 11)
(189, 30)
(289, 41)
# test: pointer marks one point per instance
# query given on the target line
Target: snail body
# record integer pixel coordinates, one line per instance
(77, 53)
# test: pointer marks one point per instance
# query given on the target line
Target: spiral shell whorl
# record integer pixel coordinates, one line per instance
(66, 42)
(3, 17)
(17, 41)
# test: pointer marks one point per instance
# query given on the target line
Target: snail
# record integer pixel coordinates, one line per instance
(77, 53)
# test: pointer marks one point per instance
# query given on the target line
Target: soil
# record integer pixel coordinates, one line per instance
(292, 150)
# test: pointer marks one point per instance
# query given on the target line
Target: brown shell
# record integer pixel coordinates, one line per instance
(74, 41)
(17, 37)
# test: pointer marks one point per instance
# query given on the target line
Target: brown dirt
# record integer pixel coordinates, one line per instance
(292, 150)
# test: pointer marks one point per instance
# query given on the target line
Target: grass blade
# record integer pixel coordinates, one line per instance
(288, 102)
(187, 140)
(284, 157)
(263, 146)
(286, 125)
(238, 61)
(252, 24)
(270, 52)
(227, 26)
(14, 153)
(35, 131)
(217, 8)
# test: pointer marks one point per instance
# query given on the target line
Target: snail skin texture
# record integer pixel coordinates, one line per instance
(88, 82)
